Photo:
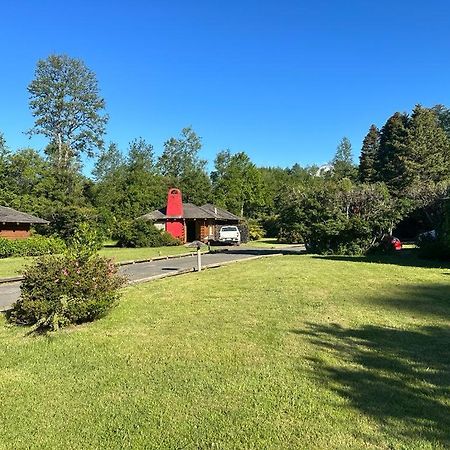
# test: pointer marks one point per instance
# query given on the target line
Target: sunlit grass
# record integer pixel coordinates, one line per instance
(289, 352)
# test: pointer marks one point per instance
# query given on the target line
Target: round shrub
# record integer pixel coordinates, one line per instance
(142, 233)
(60, 290)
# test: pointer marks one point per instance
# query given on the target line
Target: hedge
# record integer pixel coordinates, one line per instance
(33, 246)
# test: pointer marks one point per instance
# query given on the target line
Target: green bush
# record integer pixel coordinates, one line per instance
(75, 287)
(65, 221)
(33, 246)
(59, 290)
(255, 230)
(142, 233)
(337, 217)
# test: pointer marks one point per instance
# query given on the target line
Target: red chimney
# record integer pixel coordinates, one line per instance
(174, 209)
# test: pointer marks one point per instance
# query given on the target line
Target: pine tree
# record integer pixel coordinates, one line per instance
(369, 154)
(428, 156)
(393, 146)
(343, 166)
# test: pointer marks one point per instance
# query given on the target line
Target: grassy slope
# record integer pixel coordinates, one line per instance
(289, 352)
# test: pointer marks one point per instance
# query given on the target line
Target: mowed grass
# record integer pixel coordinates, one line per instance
(293, 352)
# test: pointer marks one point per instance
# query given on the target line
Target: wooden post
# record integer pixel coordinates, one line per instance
(199, 259)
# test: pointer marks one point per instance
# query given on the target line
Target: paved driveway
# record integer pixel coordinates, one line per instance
(137, 272)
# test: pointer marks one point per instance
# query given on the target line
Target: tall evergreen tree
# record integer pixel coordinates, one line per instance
(428, 155)
(443, 115)
(369, 154)
(393, 148)
(343, 166)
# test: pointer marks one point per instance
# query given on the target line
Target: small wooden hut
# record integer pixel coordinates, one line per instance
(189, 222)
(15, 224)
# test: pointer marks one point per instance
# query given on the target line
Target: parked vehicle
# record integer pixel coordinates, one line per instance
(230, 234)
(396, 243)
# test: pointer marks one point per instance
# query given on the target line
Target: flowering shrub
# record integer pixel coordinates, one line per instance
(58, 290)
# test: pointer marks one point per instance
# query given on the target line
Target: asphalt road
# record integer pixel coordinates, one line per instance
(10, 292)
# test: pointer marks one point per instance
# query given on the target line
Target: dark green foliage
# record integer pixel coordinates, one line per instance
(75, 287)
(270, 226)
(142, 233)
(369, 153)
(389, 164)
(438, 246)
(65, 221)
(428, 155)
(128, 187)
(443, 116)
(33, 246)
(338, 218)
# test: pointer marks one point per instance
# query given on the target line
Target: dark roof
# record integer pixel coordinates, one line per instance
(219, 213)
(9, 215)
(191, 211)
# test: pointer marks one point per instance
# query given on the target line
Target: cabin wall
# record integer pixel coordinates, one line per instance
(15, 231)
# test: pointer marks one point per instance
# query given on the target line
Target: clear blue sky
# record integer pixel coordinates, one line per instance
(282, 80)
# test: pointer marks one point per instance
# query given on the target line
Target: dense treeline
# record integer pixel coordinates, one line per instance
(402, 178)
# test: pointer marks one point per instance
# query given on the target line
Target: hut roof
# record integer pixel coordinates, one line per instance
(10, 215)
(191, 211)
(219, 213)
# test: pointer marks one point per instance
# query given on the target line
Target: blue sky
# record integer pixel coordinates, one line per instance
(283, 81)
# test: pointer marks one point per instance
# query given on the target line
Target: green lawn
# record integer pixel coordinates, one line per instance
(293, 352)
(11, 267)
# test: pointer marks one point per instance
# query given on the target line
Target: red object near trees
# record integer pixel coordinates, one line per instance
(174, 210)
(396, 243)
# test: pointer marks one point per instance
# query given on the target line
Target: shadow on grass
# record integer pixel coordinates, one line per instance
(400, 377)
(259, 251)
(407, 258)
(431, 300)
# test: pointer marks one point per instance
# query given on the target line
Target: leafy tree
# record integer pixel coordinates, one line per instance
(343, 166)
(109, 161)
(369, 153)
(337, 217)
(181, 165)
(237, 184)
(128, 187)
(65, 101)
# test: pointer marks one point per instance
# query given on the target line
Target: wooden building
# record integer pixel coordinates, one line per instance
(15, 224)
(189, 222)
